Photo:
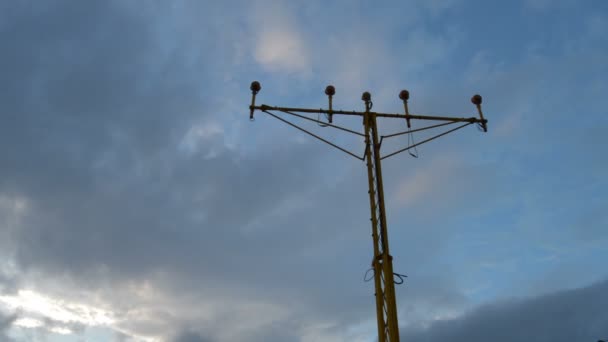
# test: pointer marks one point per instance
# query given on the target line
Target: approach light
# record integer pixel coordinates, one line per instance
(404, 95)
(366, 96)
(330, 90)
(476, 99)
(255, 87)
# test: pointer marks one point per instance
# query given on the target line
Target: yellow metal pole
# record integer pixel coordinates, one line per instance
(382, 262)
(374, 219)
(386, 306)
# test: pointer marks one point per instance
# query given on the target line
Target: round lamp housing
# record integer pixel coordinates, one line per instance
(255, 86)
(366, 96)
(404, 95)
(476, 99)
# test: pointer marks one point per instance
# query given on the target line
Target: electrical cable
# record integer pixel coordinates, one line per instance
(382, 137)
(321, 122)
(400, 277)
(410, 141)
(395, 275)
(426, 140)
(365, 278)
(314, 135)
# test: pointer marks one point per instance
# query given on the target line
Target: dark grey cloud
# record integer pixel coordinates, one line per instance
(96, 106)
(5, 323)
(8, 283)
(81, 77)
(96, 101)
(191, 337)
(286, 330)
(571, 315)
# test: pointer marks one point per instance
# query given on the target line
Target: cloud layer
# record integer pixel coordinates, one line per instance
(137, 202)
(573, 315)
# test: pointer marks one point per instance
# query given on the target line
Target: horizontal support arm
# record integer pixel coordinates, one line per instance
(383, 115)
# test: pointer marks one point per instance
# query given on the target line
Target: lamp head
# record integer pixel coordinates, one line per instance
(366, 96)
(476, 99)
(255, 87)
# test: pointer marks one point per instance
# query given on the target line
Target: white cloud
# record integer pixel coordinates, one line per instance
(27, 322)
(57, 310)
(61, 330)
(200, 135)
(281, 49)
(32, 323)
(279, 44)
(147, 312)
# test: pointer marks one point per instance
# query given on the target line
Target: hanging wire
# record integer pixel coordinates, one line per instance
(426, 140)
(321, 124)
(418, 129)
(382, 137)
(365, 278)
(313, 135)
(400, 277)
(411, 142)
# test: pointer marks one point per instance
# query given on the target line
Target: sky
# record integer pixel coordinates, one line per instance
(139, 203)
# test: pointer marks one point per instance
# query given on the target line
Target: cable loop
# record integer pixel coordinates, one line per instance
(400, 277)
(411, 142)
(365, 278)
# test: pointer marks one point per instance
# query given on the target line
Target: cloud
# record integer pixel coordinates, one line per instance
(6, 321)
(29, 301)
(422, 185)
(99, 99)
(129, 191)
(571, 315)
(279, 44)
(190, 337)
(281, 49)
(113, 208)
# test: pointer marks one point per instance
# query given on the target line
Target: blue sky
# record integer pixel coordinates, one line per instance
(139, 203)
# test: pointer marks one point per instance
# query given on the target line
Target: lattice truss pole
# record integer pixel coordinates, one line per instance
(382, 261)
